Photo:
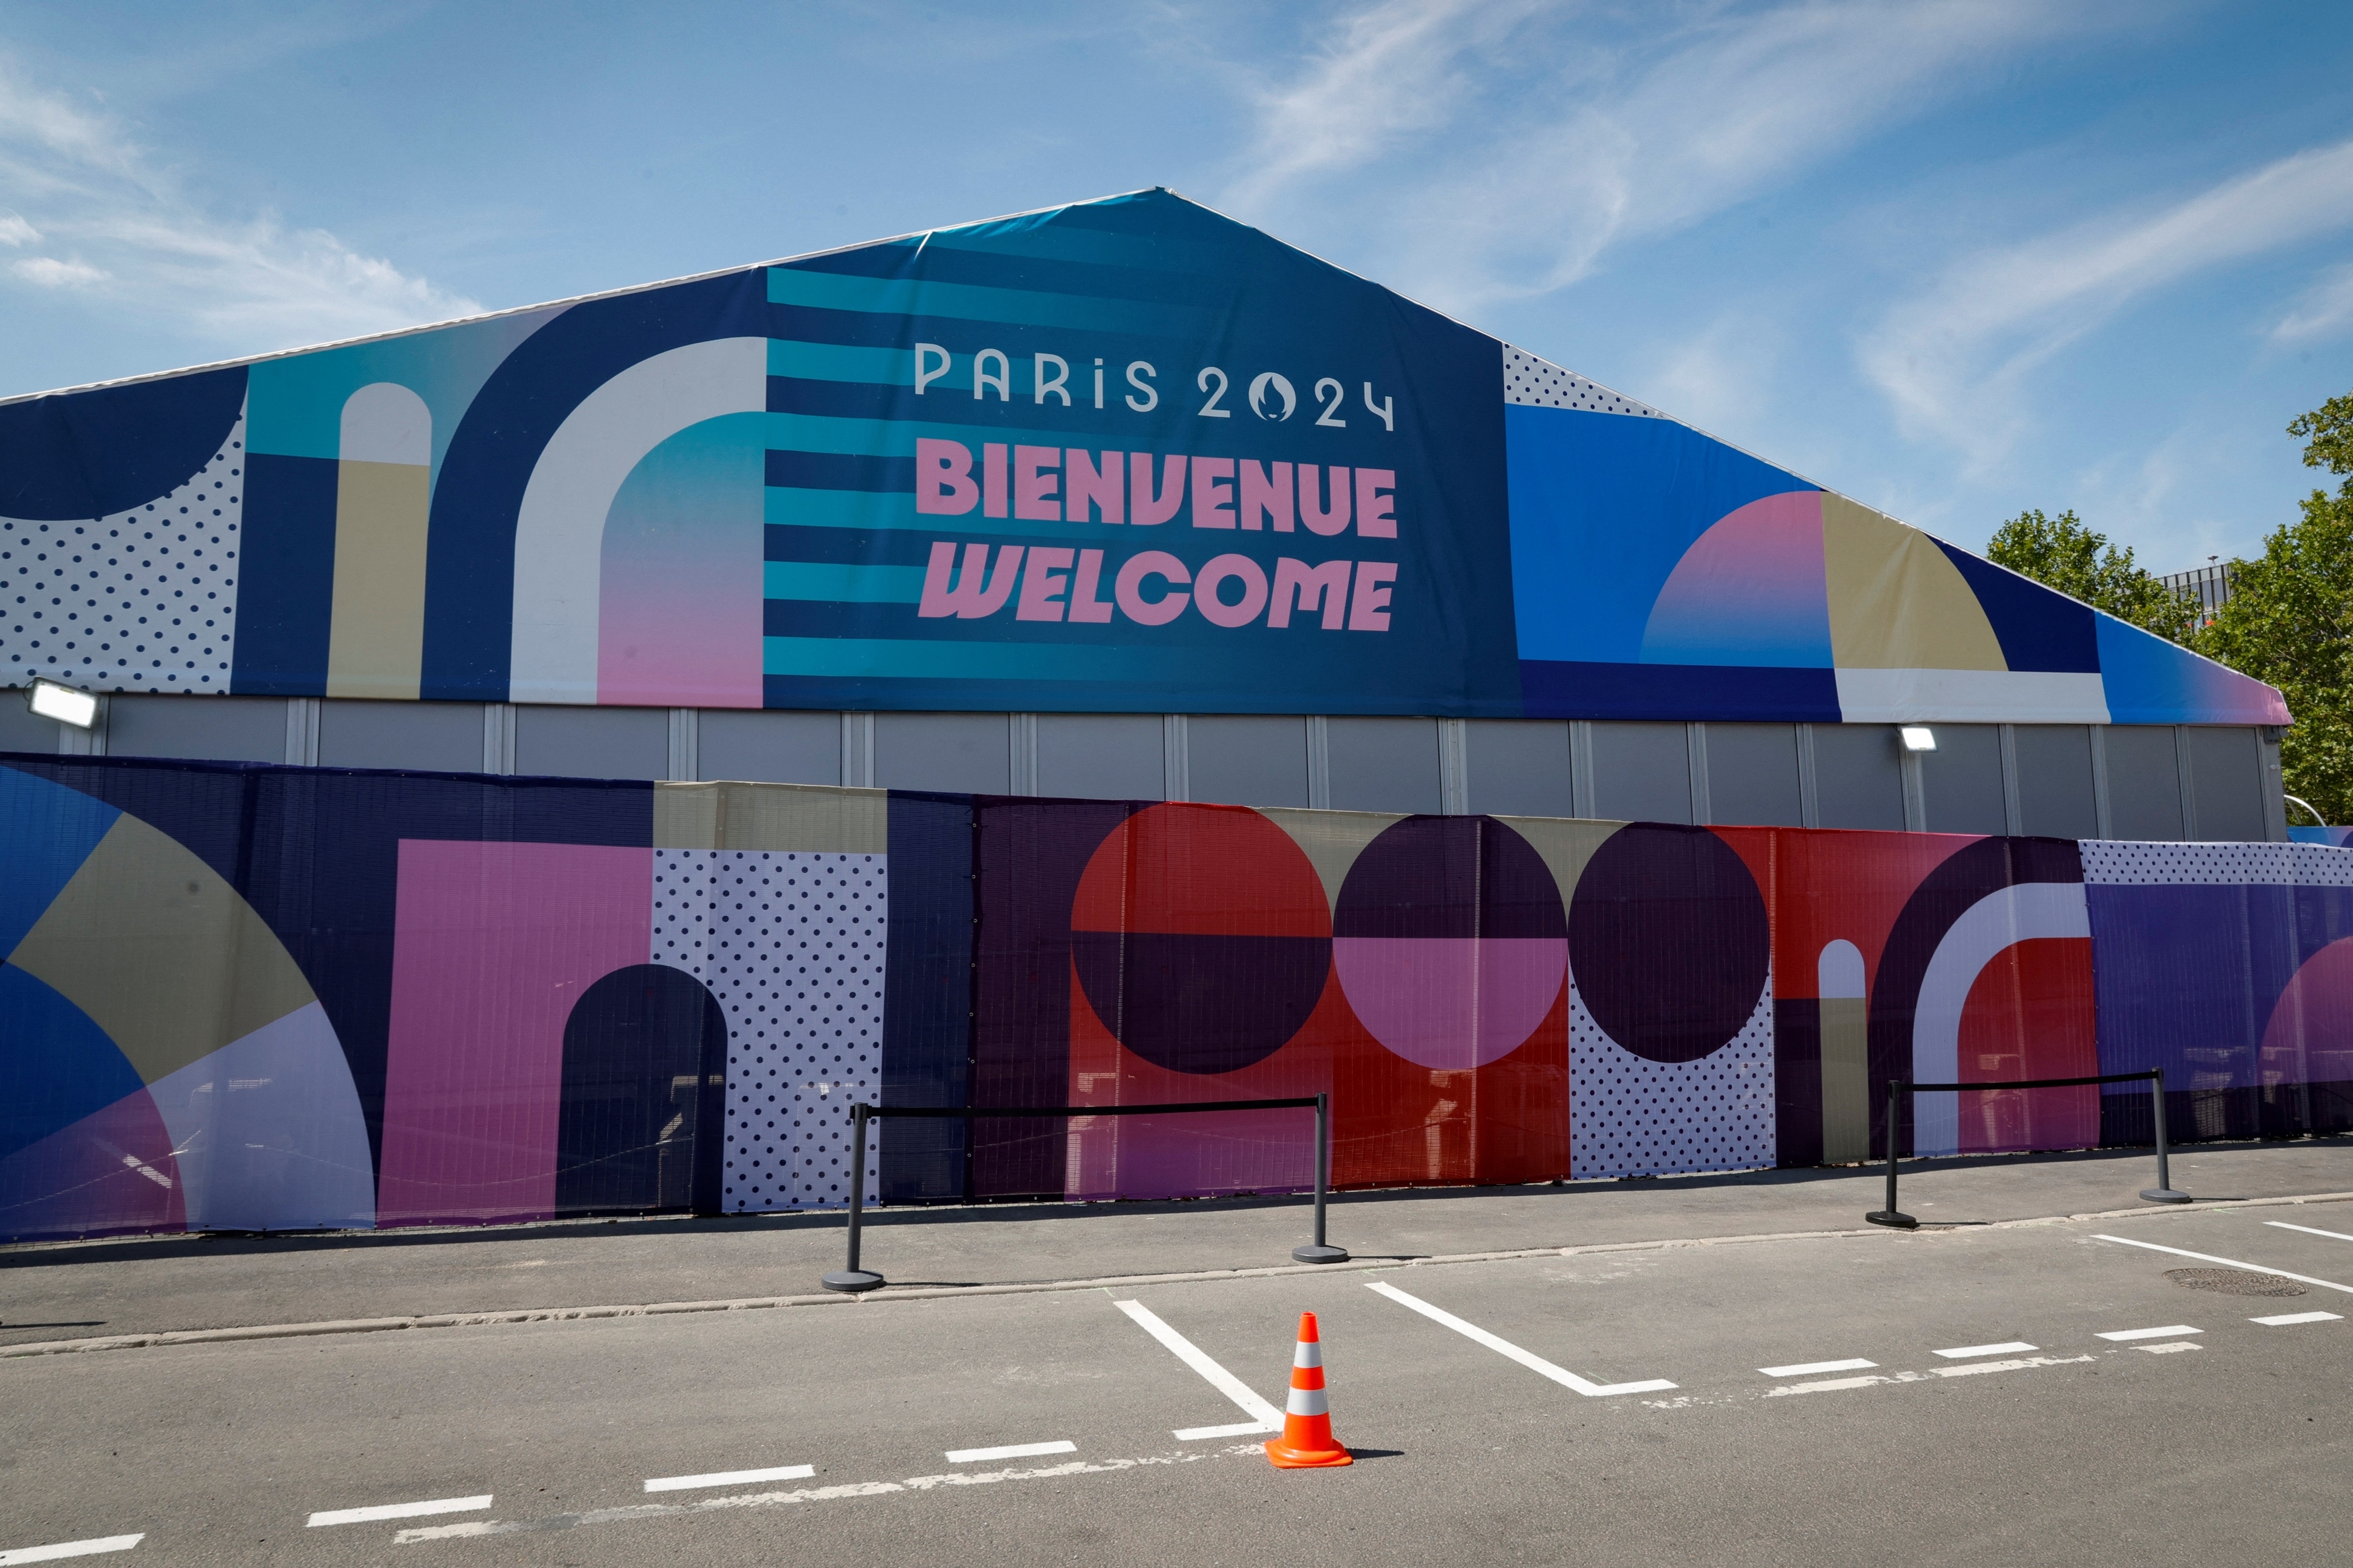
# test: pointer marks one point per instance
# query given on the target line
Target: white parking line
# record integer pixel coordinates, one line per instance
(398, 1510)
(1010, 1451)
(1265, 1417)
(1533, 1362)
(2231, 1262)
(2282, 1319)
(2331, 1235)
(730, 1479)
(2008, 1347)
(1809, 1368)
(70, 1549)
(2164, 1334)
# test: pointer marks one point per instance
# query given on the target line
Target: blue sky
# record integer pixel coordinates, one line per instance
(1954, 258)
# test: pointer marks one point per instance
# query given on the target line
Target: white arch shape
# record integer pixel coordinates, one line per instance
(560, 527)
(2030, 912)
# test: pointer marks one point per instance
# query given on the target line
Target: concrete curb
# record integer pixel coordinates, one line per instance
(1105, 1282)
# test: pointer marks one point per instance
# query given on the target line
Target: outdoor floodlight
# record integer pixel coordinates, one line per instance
(1918, 738)
(64, 704)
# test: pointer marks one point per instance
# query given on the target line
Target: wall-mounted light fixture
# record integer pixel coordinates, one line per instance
(1918, 738)
(63, 703)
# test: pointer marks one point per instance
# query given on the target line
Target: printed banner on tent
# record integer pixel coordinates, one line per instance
(253, 997)
(1124, 456)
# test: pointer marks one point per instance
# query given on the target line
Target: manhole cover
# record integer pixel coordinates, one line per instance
(2236, 1281)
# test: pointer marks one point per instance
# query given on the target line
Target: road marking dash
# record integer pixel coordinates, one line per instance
(1010, 1451)
(731, 1479)
(1830, 1385)
(733, 1501)
(2281, 1320)
(2331, 1235)
(1504, 1347)
(2164, 1334)
(1809, 1368)
(2230, 1262)
(2023, 1365)
(90, 1548)
(2169, 1348)
(1265, 1417)
(2008, 1347)
(398, 1510)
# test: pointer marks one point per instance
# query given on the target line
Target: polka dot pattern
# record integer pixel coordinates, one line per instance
(1539, 384)
(2114, 862)
(792, 945)
(143, 600)
(1628, 1116)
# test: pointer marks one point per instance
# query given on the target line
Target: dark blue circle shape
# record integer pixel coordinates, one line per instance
(1198, 1003)
(76, 456)
(1668, 940)
(1449, 876)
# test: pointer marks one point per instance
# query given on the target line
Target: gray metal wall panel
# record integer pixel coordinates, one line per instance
(2144, 783)
(768, 747)
(1961, 780)
(21, 729)
(434, 737)
(562, 741)
(2226, 783)
(1384, 764)
(2054, 781)
(1247, 760)
(966, 753)
(1519, 767)
(1752, 776)
(1859, 776)
(1102, 756)
(1641, 773)
(215, 729)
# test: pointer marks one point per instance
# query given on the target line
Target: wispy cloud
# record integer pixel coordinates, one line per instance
(113, 223)
(1523, 151)
(1953, 359)
(50, 272)
(1397, 68)
(2324, 310)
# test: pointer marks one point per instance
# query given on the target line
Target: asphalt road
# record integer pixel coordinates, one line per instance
(2221, 1439)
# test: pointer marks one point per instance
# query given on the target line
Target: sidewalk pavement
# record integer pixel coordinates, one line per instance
(57, 1292)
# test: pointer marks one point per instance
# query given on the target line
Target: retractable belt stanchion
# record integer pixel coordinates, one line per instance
(2162, 1192)
(855, 1277)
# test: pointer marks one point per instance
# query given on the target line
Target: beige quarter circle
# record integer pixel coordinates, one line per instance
(161, 952)
(1896, 600)
(1330, 839)
(1566, 844)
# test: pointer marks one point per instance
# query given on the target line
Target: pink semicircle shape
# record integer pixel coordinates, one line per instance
(2310, 1033)
(1750, 591)
(1451, 1003)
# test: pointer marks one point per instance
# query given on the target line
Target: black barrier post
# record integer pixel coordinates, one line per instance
(1316, 1251)
(1891, 1214)
(852, 1278)
(2163, 1192)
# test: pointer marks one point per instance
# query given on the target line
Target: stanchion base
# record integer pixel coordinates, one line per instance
(852, 1280)
(1311, 1254)
(2165, 1196)
(1890, 1218)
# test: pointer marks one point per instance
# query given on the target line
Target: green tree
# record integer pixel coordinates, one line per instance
(2061, 552)
(2289, 622)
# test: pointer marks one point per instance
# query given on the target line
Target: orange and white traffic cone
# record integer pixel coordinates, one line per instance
(1306, 1442)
